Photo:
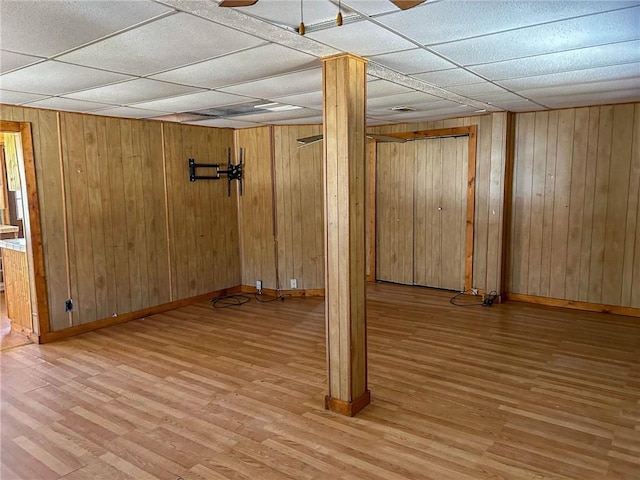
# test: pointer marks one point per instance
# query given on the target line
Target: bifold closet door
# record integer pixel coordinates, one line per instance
(394, 212)
(421, 212)
(440, 211)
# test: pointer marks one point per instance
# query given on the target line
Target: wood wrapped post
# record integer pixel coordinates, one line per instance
(344, 98)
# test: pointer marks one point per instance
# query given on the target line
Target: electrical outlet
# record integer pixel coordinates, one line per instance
(474, 291)
(294, 284)
(259, 286)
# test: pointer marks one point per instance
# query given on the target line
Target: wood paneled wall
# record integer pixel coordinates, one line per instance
(277, 168)
(299, 207)
(256, 220)
(50, 194)
(490, 164)
(576, 213)
(203, 219)
(139, 233)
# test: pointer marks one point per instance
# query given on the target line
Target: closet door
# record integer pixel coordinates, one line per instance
(394, 211)
(440, 212)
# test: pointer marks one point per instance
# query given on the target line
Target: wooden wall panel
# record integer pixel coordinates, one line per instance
(255, 207)
(203, 220)
(575, 205)
(299, 207)
(50, 194)
(115, 210)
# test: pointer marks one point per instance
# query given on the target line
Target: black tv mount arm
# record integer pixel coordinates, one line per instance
(233, 172)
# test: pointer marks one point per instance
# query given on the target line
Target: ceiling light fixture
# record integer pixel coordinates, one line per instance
(339, 17)
(276, 107)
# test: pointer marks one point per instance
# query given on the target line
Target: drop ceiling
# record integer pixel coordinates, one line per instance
(192, 61)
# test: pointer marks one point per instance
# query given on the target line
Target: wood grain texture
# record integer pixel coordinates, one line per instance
(489, 188)
(255, 208)
(299, 206)
(15, 270)
(575, 205)
(514, 391)
(344, 97)
(203, 220)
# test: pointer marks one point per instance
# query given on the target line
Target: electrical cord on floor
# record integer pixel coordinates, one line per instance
(488, 299)
(257, 296)
(229, 301)
(453, 299)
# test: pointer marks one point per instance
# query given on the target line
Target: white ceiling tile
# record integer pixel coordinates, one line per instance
(292, 83)
(408, 99)
(69, 104)
(287, 12)
(18, 98)
(416, 60)
(362, 38)
(268, 117)
(449, 78)
(166, 43)
(10, 61)
(433, 114)
(377, 121)
(252, 64)
(133, 91)
(476, 89)
(47, 28)
(616, 72)
(381, 88)
(224, 123)
(129, 112)
(584, 99)
(595, 89)
(445, 21)
(578, 59)
(371, 7)
(56, 78)
(619, 26)
(309, 100)
(192, 101)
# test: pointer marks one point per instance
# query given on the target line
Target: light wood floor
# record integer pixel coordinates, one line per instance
(507, 392)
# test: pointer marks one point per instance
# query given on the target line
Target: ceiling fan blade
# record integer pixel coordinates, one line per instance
(406, 4)
(386, 138)
(304, 141)
(237, 3)
(309, 140)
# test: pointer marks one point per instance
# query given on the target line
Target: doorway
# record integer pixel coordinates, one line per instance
(425, 208)
(21, 251)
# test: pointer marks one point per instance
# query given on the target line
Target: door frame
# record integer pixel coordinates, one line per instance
(468, 131)
(35, 249)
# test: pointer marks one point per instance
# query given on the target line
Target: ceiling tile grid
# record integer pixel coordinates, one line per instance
(146, 59)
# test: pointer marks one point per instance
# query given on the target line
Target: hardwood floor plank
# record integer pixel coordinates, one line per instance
(509, 392)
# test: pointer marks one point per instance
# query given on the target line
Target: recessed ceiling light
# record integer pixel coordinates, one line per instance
(403, 108)
(276, 107)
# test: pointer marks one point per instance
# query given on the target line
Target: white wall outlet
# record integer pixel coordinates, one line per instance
(259, 286)
(294, 284)
(474, 291)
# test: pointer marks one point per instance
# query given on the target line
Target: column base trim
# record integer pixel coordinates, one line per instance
(343, 407)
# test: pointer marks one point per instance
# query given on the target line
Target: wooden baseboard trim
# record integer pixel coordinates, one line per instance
(343, 407)
(127, 317)
(574, 304)
(294, 293)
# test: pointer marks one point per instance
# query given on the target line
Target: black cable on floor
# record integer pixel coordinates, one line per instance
(452, 300)
(229, 301)
(270, 299)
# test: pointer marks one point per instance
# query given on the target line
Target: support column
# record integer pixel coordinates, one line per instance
(344, 99)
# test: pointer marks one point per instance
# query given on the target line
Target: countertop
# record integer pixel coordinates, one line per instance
(17, 244)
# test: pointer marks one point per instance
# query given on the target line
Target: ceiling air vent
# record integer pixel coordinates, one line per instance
(403, 108)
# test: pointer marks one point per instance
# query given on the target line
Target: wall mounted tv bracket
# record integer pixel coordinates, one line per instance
(233, 172)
